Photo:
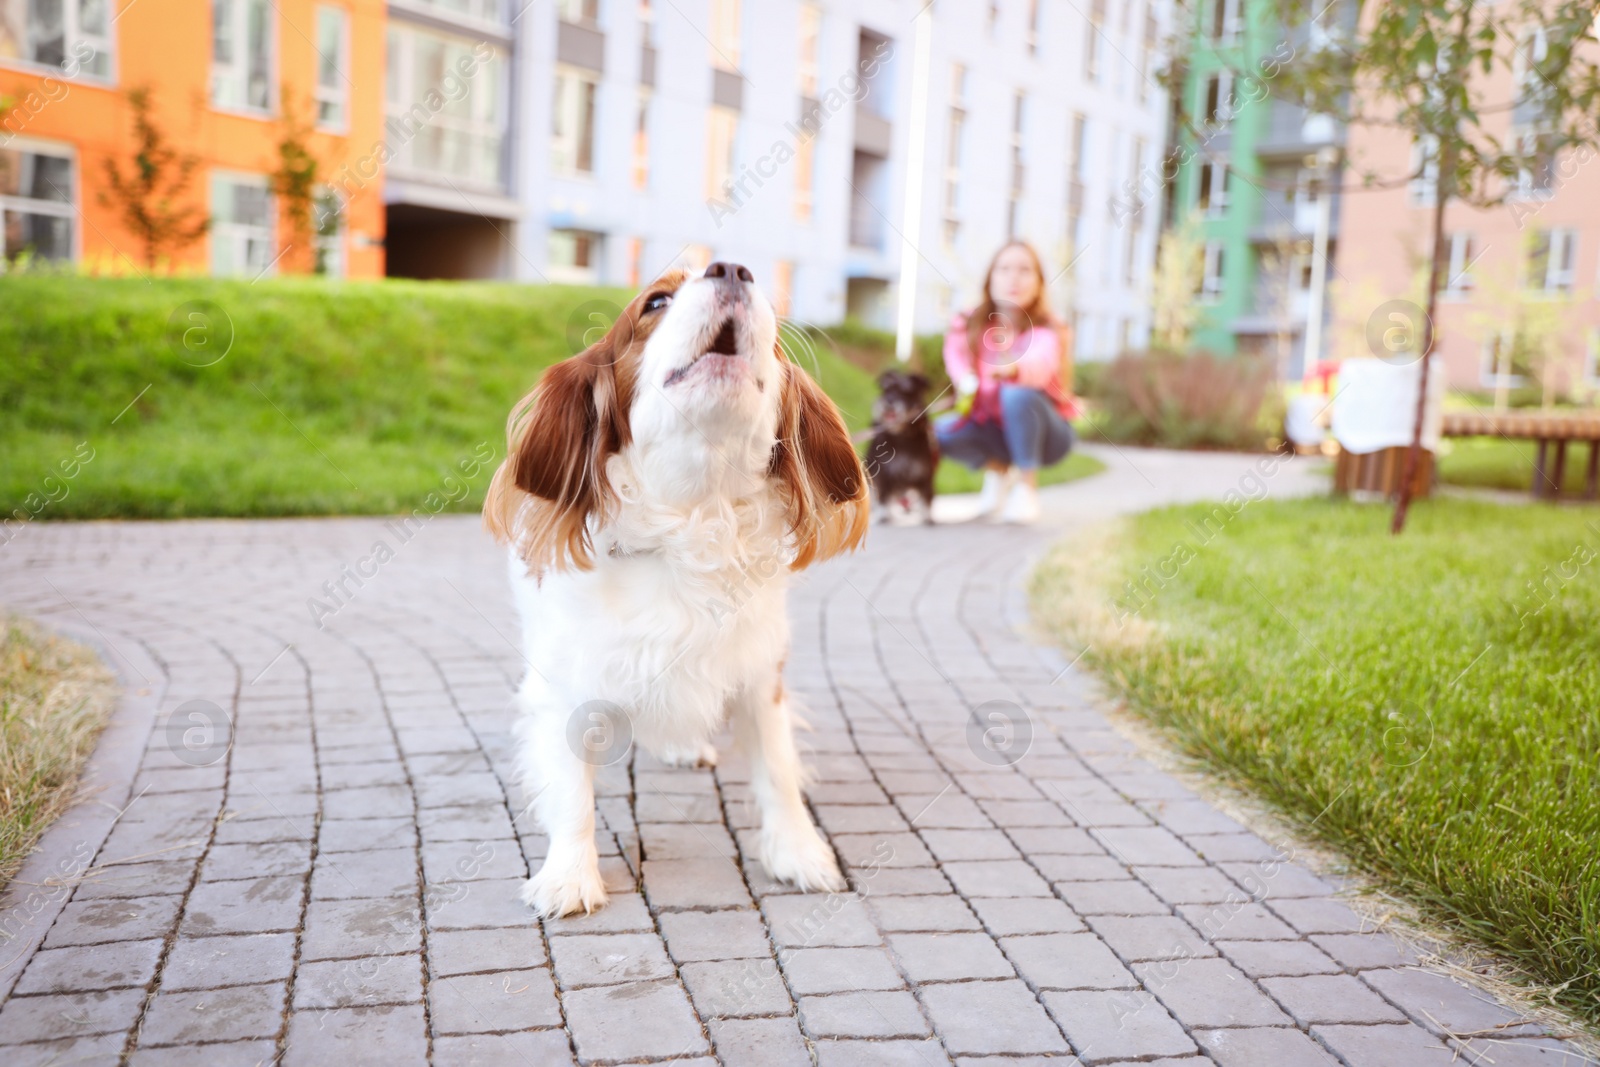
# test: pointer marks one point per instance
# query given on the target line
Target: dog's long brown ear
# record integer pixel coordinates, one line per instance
(817, 464)
(553, 479)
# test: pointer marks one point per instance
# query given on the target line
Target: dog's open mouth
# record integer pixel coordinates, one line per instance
(725, 343)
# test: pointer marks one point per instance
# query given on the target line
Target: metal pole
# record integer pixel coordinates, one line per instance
(916, 155)
(1326, 159)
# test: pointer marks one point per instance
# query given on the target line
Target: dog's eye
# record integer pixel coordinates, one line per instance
(656, 302)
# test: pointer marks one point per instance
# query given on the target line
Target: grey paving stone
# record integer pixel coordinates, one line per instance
(816, 920)
(1209, 993)
(1274, 959)
(103, 1050)
(362, 835)
(996, 878)
(736, 988)
(255, 905)
(633, 1021)
(1262, 1047)
(863, 1014)
(608, 959)
(1436, 1001)
(991, 1017)
(117, 965)
(1129, 1023)
(1026, 915)
(499, 1000)
(1122, 897)
(949, 957)
(350, 929)
(222, 1054)
(1146, 846)
(256, 860)
(685, 841)
(696, 883)
(1054, 841)
(860, 818)
(1067, 961)
(234, 959)
(1522, 1052)
(1330, 998)
(382, 873)
(1150, 937)
(697, 936)
(880, 1053)
(1188, 885)
(1385, 1046)
(472, 951)
(1363, 952)
(1313, 916)
(944, 911)
(68, 1015)
(898, 881)
(476, 905)
(624, 913)
(355, 983)
(536, 1048)
(196, 1016)
(949, 845)
(839, 970)
(882, 850)
(1235, 920)
(1101, 868)
(98, 921)
(136, 880)
(759, 1042)
(384, 1034)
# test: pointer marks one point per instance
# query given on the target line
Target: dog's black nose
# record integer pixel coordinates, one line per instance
(730, 270)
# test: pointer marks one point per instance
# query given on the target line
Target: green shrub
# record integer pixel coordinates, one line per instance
(1188, 401)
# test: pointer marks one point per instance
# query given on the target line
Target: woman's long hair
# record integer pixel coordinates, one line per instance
(989, 314)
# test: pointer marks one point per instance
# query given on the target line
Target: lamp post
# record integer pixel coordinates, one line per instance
(1327, 159)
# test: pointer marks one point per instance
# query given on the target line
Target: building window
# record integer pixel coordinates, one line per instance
(810, 37)
(1219, 105)
(1091, 49)
(581, 12)
(328, 241)
(1211, 273)
(641, 142)
(1458, 279)
(1033, 27)
(241, 55)
(722, 134)
(724, 34)
(1224, 15)
(1424, 171)
(456, 138)
(1503, 361)
(1130, 252)
(1018, 165)
(952, 166)
(1591, 363)
(1078, 144)
(333, 56)
(1211, 192)
(782, 288)
(635, 261)
(574, 257)
(1551, 256)
(241, 225)
(37, 192)
(1537, 178)
(72, 36)
(572, 133)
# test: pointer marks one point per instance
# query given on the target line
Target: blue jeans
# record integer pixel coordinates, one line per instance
(1031, 433)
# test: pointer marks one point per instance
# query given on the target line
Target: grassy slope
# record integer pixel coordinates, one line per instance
(1391, 686)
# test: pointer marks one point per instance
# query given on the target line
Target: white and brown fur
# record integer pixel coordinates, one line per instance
(679, 458)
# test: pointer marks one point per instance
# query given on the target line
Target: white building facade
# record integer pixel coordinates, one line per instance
(776, 133)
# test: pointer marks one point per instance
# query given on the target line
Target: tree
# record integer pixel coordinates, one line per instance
(150, 198)
(295, 181)
(1427, 68)
(1175, 284)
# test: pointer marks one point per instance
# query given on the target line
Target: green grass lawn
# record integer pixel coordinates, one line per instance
(347, 398)
(1496, 463)
(1428, 704)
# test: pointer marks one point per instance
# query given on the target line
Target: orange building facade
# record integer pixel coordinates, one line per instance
(1520, 305)
(227, 80)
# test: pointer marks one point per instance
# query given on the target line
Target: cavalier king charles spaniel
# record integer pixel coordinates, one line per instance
(657, 490)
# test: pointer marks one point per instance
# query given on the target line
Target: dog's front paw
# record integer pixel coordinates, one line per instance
(562, 888)
(798, 855)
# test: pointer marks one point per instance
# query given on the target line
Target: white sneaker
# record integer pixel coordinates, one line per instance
(1022, 505)
(993, 494)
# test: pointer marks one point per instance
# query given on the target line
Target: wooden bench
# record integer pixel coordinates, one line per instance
(1553, 430)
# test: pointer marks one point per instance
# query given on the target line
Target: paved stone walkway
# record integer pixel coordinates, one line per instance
(332, 880)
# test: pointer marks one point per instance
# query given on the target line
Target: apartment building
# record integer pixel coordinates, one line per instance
(226, 79)
(777, 134)
(1520, 305)
(1248, 175)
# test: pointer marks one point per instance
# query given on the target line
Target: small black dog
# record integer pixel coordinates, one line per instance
(903, 453)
